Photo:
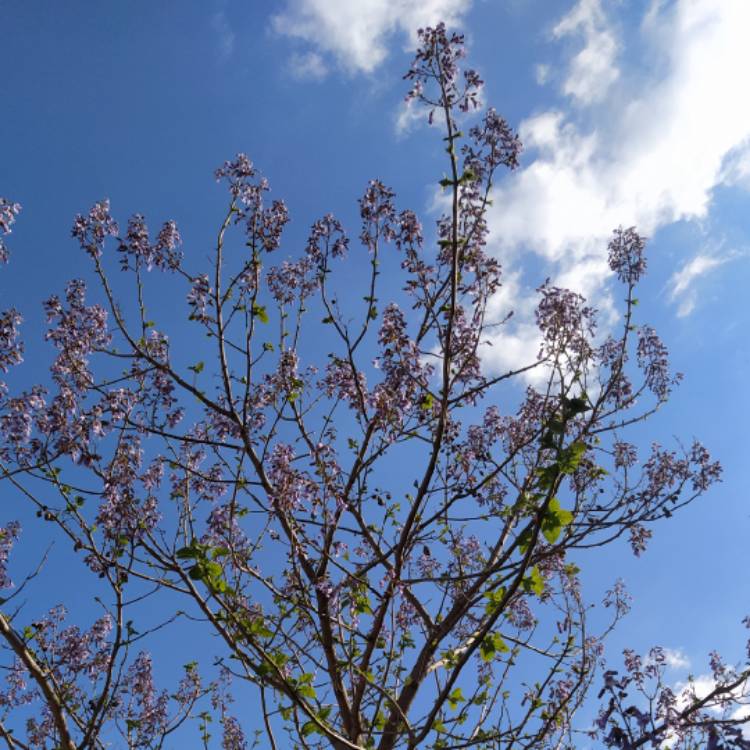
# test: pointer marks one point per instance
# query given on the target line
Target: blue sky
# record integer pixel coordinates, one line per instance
(631, 113)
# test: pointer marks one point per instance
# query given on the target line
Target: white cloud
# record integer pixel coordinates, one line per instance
(676, 658)
(651, 153)
(226, 36)
(682, 283)
(409, 114)
(356, 34)
(542, 73)
(592, 71)
(699, 688)
(307, 66)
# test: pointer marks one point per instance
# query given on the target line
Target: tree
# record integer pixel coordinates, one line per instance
(386, 554)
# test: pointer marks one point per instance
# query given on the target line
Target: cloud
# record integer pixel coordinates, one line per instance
(682, 283)
(542, 73)
(226, 36)
(676, 658)
(592, 71)
(356, 34)
(652, 151)
(307, 66)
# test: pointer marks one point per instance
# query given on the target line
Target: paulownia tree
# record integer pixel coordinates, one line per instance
(382, 537)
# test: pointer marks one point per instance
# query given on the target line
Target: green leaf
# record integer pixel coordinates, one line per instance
(188, 553)
(427, 402)
(495, 599)
(570, 457)
(362, 605)
(555, 519)
(574, 406)
(306, 691)
(524, 540)
(259, 311)
(310, 727)
(455, 697)
(492, 644)
(257, 626)
(534, 582)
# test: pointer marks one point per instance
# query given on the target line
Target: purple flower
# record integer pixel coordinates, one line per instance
(233, 738)
(92, 230)
(263, 226)
(8, 213)
(77, 331)
(137, 246)
(626, 256)
(436, 65)
(11, 349)
(653, 361)
(8, 536)
(566, 323)
(326, 238)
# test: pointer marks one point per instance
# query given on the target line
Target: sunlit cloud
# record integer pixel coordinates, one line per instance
(357, 35)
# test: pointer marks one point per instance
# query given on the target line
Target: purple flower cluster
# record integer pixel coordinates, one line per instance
(566, 323)
(91, 231)
(437, 62)
(653, 360)
(223, 530)
(263, 226)
(77, 331)
(199, 299)
(17, 422)
(8, 537)
(233, 738)
(11, 349)
(143, 708)
(327, 237)
(406, 376)
(8, 213)
(136, 247)
(292, 280)
(293, 488)
(343, 382)
(378, 215)
(626, 255)
(121, 515)
(494, 144)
